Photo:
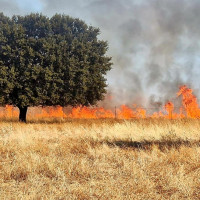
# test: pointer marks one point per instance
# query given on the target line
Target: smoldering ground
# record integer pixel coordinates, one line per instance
(154, 43)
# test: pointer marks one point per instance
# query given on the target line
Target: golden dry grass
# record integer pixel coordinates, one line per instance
(100, 159)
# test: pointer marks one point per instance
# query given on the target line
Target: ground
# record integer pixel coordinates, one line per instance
(100, 159)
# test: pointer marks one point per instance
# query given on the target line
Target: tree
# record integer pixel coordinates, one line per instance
(50, 61)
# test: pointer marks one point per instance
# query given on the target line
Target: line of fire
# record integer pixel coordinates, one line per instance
(188, 109)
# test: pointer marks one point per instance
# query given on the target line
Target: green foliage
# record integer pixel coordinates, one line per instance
(51, 61)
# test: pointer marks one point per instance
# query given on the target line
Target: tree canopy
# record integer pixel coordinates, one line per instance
(51, 61)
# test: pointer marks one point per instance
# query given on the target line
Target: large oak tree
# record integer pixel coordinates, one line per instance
(50, 61)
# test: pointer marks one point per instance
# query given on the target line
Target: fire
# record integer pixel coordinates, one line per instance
(8, 112)
(89, 113)
(51, 112)
(189, 108)
(189, 102)
(169, 107)
(125, 112)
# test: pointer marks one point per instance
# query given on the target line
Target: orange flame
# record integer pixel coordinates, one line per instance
(89, 113)
(189, 102)
(189, 108)
(51, 112)
(169, 107)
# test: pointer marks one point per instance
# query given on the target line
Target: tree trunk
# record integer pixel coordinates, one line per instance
(22, 114)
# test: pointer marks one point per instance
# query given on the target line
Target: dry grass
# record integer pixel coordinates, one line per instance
(100, 159)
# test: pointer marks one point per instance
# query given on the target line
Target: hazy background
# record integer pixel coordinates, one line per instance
(154, 43)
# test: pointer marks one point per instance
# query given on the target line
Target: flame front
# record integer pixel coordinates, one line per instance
(189, 108)
(189, 102)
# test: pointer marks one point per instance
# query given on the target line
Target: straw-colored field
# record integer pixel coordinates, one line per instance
(100, 159)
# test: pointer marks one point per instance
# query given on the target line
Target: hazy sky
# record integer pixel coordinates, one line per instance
(154, 43)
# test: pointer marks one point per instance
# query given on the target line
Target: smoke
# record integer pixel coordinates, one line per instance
(154, 43)
(9, 7)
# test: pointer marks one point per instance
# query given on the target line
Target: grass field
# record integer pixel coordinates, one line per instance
(100, 159)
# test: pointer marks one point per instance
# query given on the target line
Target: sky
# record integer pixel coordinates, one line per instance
(154, 44)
